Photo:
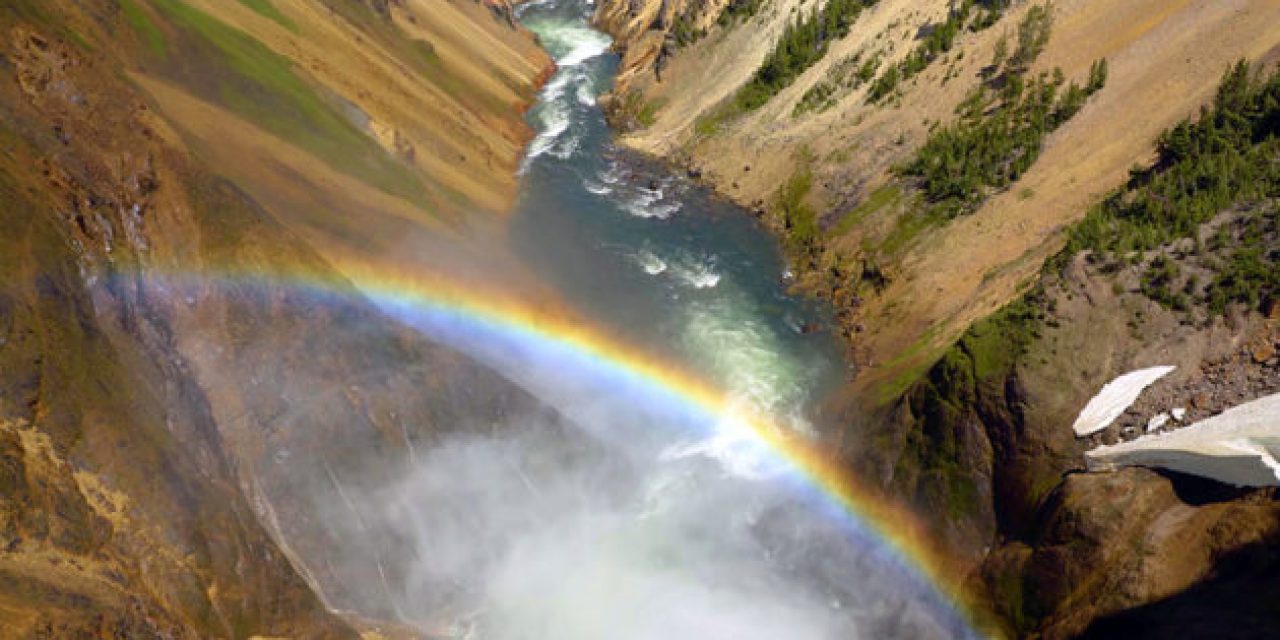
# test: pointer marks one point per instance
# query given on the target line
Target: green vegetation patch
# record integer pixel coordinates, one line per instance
(994, 345)
(974, 15)
(886, 196)
(843, 77)
(685, 33)
(637, 111)
(739, 10)
(261, 86)
(710, 122)
(906, 229)
(798, 218)
(933, 441)
(910, 364)
(78, 40)
(648, 113)
(266, 9)
(966, 386)
(138, 19)
(1033, 36)
(1250, 272)
(996, 139)
(1229, 158)
(803, 43)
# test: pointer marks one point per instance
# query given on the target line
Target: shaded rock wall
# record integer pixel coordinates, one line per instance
(167, 434)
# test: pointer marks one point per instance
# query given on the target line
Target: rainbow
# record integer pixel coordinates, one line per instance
(450, 309)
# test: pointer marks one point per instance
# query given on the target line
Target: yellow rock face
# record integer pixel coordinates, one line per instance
(147, 138)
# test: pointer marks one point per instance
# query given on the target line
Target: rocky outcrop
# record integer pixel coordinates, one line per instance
(984, 444)
(1234, 447)
(1109, 543)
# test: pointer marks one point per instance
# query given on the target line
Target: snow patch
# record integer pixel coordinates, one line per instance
(1157, 421)
(1115, 397)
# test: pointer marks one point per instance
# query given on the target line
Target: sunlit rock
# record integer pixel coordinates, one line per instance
(1239, 446)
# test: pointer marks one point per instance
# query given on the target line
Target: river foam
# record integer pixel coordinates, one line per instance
(571, 87)
(697, 274)
(650, 262)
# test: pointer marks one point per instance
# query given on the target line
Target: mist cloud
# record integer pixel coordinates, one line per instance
(539, 534)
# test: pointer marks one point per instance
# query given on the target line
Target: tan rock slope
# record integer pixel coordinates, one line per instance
(1165, 59)
(167, 439)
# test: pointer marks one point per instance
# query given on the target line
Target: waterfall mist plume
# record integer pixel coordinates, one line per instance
(602, 502)
(622, 515)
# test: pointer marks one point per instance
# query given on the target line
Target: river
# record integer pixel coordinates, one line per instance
(621, 521)
(689, 275)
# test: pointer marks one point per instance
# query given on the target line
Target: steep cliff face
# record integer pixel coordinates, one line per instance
(408, 112)
(984, 445)
(122, 514)
(857, 132)
(170, 406)
(1177, 268)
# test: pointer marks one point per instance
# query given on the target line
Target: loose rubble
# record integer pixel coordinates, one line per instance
(1249, 372)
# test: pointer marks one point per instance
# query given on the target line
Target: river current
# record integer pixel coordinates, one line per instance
(617, 522)
(690, 276)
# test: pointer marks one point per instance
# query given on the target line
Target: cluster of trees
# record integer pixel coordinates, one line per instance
(1229, 158)
(819, 97)
(997, 137)
(1033, 35)
(846, 75)
(803, 42)
(1251, 273)
(684, 33)
(972, 14)
(739, 10)
(1159, 283)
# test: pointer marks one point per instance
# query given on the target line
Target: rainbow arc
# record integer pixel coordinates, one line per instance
(450, 309)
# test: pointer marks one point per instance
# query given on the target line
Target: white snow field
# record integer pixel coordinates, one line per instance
(1240, 446)
(1115, 397)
